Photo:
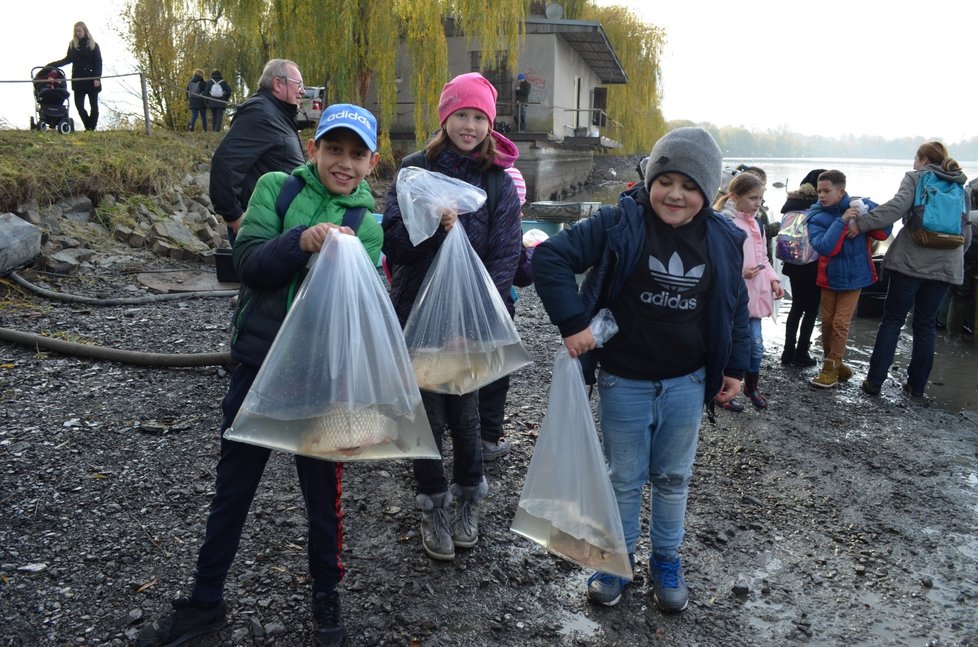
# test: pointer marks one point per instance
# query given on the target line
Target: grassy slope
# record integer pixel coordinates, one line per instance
(47, 167)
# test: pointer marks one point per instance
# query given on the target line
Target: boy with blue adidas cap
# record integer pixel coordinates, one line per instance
(669, 268)
(271, 253)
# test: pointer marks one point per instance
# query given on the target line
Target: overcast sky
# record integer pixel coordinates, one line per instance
(850, 66)
(829, 67)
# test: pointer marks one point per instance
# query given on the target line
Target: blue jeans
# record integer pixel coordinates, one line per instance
(925, 297)
(650, 429)
(198, 112)
(756, 345)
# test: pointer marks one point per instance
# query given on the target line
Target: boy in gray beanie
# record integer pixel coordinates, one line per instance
(692, 152)
(669, 269)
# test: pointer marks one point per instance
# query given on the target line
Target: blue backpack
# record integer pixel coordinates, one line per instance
(939, 213)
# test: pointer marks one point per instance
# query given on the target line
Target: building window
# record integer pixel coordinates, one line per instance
(500, 77)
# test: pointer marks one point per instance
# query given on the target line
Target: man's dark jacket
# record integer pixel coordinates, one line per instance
(262, 138)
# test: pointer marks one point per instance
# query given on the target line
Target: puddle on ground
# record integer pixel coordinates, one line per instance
(953, 382)
(574, 624)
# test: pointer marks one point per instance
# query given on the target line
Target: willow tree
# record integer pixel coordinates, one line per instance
(360, 40)
(350, 46)
(153, 38)
(638, 102)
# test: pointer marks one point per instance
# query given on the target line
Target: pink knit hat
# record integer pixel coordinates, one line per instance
(470, 90)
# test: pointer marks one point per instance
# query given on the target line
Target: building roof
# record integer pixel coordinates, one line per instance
(588, 40)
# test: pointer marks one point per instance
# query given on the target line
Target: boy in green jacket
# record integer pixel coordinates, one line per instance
(270, 255)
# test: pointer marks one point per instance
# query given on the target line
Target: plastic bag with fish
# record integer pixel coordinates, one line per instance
(567, 504)
(423, 195)
(337, 382)
(459, 333)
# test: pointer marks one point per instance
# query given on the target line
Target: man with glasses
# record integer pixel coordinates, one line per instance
(262, 138)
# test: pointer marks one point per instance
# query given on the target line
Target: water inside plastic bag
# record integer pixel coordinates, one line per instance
(593, 549)
(340, 433)
(457, 372)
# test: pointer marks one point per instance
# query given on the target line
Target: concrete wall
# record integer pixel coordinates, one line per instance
(549, 171)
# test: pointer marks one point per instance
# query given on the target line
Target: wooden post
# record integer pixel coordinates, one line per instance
(142, 84)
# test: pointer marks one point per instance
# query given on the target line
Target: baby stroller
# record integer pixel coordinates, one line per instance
(51, 98)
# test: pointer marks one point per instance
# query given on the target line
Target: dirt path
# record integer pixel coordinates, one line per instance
(829, 519)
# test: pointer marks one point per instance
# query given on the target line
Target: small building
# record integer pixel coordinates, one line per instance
(568, 63)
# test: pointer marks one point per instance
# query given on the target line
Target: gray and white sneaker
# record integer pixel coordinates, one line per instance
(493, 450)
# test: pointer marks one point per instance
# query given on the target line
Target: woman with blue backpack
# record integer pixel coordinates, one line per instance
(925, 259)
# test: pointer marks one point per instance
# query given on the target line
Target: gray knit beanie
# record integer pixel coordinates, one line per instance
(692, 152)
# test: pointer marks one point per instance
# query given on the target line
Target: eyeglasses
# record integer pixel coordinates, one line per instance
(300, 84)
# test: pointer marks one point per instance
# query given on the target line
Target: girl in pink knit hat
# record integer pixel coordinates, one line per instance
(466, 148)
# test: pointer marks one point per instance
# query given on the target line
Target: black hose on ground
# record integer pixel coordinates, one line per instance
(168, 360)
(96, 301)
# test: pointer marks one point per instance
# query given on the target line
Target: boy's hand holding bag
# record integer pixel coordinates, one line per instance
(567, 505)
(337, 382)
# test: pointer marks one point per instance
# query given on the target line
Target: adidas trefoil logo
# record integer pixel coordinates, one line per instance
(676, 279)
(675, 276)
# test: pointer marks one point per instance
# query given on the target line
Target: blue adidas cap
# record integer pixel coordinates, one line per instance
(347, 115)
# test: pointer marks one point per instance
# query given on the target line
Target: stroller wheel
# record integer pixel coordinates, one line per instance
(43, 125)
(64, 127)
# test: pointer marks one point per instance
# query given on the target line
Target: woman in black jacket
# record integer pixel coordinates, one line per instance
(805, 294)
(195, 99)
(86, 66)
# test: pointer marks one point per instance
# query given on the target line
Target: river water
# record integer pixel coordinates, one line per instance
(954, 380)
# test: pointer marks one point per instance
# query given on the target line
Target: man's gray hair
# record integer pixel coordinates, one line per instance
(274, 68)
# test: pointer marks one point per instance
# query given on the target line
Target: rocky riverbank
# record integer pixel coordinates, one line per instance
(831, 518)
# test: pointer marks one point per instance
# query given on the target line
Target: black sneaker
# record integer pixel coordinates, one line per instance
(188, 620)
(912, 392)
(871, 388)
(326, 620)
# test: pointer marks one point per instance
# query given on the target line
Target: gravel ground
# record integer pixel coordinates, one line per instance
(831, 518)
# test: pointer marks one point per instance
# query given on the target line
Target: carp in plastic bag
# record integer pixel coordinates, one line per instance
(337, 382)
(423, 195)
(568, 505)
(459, 333)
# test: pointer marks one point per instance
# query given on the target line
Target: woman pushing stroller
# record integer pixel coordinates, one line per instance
(86, 68)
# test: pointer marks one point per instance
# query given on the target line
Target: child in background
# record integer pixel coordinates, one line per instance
(845, 267)
(669, 268)
(740, 205)
(806, 296)
(492, 397)
(464, 148)
(271, 255)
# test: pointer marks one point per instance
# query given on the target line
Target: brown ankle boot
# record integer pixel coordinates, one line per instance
(828, 377)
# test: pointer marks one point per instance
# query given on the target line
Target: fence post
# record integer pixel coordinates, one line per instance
(142, 84)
